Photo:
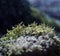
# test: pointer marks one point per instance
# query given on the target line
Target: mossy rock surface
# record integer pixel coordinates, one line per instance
(37, 40)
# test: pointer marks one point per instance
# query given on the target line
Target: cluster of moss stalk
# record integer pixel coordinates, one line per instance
(30, 30)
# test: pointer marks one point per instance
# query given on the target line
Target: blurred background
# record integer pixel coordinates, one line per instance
(50, 7)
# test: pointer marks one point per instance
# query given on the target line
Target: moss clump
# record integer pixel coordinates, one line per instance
(32, 29)
(23, 40)
(34, 39)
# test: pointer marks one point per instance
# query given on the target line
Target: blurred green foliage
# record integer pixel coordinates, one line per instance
(39, 15)
(53, 24)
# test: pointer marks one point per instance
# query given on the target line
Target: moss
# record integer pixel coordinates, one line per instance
(32, 29)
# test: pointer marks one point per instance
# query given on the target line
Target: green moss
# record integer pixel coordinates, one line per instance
(32, 29)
